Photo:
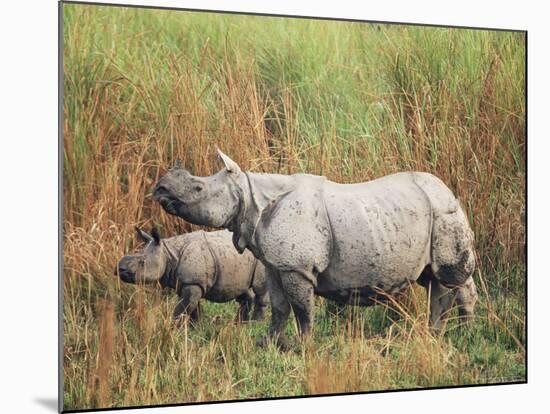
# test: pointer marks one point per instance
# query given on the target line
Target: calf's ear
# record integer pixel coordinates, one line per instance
(230, 165)
(143, 235)
(156, 234)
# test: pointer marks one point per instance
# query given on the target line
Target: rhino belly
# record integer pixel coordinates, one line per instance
(381, 239)
(364, 296)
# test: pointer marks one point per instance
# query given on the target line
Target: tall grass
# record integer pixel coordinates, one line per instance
(349, 101)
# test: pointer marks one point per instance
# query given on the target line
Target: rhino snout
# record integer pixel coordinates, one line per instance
(125, 272)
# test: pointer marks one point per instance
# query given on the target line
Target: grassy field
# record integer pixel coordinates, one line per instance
(346, 100)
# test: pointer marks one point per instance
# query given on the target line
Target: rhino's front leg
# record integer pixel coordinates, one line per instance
(189, 302)
(261, 301)
(280, 310)
(299, 292)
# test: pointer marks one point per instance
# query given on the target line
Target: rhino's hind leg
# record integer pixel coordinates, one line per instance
(299, 292)
(245, 303)
(189, 302)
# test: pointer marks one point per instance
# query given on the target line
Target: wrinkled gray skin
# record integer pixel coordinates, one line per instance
(351, 243)
(199, 265)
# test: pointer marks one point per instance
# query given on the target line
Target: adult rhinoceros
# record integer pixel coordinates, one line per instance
(198, 265)
(351, 243)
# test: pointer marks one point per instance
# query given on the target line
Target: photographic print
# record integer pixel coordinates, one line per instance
(263, 206)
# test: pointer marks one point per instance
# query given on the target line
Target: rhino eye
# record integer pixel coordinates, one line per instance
(197, 188)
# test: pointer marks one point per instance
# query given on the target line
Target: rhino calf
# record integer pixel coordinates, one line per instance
(199, 265)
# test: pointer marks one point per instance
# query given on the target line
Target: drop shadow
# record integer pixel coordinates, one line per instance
(49, 403)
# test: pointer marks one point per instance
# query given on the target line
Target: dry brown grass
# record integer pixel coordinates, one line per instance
(100, 382)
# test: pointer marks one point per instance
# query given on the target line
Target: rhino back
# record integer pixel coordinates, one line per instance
(234, 271)
(196, 265)
(381, 233)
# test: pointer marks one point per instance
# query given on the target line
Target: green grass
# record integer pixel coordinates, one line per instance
(347, 100)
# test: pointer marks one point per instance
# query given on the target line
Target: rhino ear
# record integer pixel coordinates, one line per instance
(178, 165)
(143, 235)
(230, 165)
(156, 234)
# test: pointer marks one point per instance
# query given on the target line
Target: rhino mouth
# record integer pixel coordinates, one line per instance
(127, 278)
(167, 200)
(125, 275)
(169, 205)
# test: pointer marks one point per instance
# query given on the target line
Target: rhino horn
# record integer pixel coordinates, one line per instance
(230, 165)
(178, 165)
